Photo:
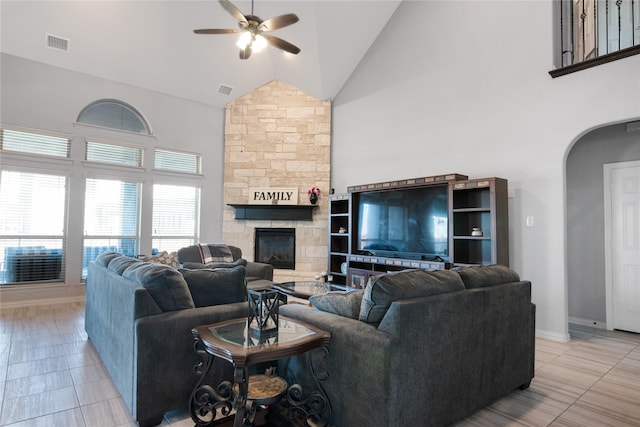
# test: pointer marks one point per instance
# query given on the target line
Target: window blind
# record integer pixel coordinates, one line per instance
(177, 161)
(111, 213)
(32, 143)
(175, 216)
(32, 218)
(113, 153)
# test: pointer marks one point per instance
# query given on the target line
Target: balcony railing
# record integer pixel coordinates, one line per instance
(592, 32)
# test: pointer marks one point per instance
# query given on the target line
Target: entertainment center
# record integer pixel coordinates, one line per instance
(434, 222)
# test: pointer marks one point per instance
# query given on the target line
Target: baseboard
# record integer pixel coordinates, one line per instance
(588, 322)
(40, 294)
(553, 336)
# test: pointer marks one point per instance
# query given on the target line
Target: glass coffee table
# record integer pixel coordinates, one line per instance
(235, 342)
(304, 290)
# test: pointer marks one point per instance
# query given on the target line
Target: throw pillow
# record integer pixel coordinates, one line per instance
(384, 289)
(106, 257)
(216, 286)
(166, 286)
(345, 304)
(119, 264)
(215, 253)
(480, 276)
(198, 265)
(164, 257)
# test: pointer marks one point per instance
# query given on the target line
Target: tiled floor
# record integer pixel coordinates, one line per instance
(50, 375)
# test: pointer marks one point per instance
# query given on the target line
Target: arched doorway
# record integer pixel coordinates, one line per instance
(585, 217)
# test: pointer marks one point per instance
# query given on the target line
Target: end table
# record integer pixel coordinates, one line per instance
(232, 341)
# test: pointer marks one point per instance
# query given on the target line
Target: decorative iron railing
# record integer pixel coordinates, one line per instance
(596, 31)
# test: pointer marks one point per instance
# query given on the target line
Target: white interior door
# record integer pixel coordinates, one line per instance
(622, 245)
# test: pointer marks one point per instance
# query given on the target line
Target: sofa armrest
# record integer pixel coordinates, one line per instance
(165, 357)
(260, 270)
(362, 364)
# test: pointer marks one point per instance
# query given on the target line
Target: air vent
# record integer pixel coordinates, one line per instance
(224, 90)
(56, 42)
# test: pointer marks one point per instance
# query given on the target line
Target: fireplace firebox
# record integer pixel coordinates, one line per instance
(276, 246)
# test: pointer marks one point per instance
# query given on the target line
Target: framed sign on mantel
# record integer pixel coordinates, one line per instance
(273, 196)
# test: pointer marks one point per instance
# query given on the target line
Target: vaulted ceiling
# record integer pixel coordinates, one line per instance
(151, 44)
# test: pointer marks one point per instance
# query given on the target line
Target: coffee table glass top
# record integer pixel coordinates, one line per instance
(238, 333)
(307, 289)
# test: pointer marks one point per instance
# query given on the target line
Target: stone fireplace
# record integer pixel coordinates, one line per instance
(276, 246)
(277, 136)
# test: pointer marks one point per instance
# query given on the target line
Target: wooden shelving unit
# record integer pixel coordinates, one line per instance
(476, 203)
(339, 236)
(479, 203)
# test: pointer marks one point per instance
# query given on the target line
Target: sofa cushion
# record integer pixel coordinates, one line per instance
(166, 285)
(106, 257)
(119, 264)
(164, 257)
(212, 265)
(384, 289)
(479, 276)
(345, 304)
(216, 286)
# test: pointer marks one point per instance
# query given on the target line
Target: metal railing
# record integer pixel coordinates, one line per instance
(590, 30)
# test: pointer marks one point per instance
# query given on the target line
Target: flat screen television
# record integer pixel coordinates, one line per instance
(410, 223)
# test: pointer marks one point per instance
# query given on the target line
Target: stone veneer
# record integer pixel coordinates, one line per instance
(278, 136)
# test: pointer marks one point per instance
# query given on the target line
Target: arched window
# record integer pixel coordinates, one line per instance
(114, 114)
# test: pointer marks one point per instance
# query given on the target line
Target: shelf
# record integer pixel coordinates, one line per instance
(472, 237)
(275, 212)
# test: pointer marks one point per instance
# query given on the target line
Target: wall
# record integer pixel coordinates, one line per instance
(278, 136)
(38, 96)
(585, 217)
(463, 86)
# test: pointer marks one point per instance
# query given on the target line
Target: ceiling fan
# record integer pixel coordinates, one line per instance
(253, 28)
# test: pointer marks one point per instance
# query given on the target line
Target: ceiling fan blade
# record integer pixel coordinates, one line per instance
(215, 31)
(246, 52)
(282, 44)
(278, 22)
(235, 12)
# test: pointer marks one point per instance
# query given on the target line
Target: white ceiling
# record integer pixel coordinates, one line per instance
(151, 44)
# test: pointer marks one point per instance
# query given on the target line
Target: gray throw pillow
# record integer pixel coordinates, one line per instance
(216, 286)
(345, 304)
(384, 289)
(480, 276)
(106, 257)
(166, 285)
(119, 264)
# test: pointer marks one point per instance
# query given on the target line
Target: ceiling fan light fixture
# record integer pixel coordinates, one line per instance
(244, 40)
(259, 43)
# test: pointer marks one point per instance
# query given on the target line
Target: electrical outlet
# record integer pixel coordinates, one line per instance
(529, 221)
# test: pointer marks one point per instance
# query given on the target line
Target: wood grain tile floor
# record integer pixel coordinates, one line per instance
(50, 375)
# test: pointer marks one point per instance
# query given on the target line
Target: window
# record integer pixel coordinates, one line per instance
(113, 153)
(176, 161)
(111, 212)
(175, 216)
(114, 115)
(24, 142)
(596, 31)
(32, 218)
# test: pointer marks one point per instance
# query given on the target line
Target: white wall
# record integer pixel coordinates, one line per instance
(38, 96)
(463, 86)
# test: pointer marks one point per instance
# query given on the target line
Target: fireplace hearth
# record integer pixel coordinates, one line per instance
(276, 246)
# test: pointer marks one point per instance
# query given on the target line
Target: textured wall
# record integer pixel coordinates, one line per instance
(278, 136)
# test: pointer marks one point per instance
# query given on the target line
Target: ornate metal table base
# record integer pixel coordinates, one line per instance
(208, 404)
(313, 409)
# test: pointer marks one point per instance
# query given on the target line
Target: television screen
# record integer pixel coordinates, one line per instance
(405, 223)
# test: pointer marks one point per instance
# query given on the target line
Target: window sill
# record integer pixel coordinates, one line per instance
(624, 53)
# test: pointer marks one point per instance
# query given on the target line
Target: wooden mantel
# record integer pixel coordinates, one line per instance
(274, 212)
